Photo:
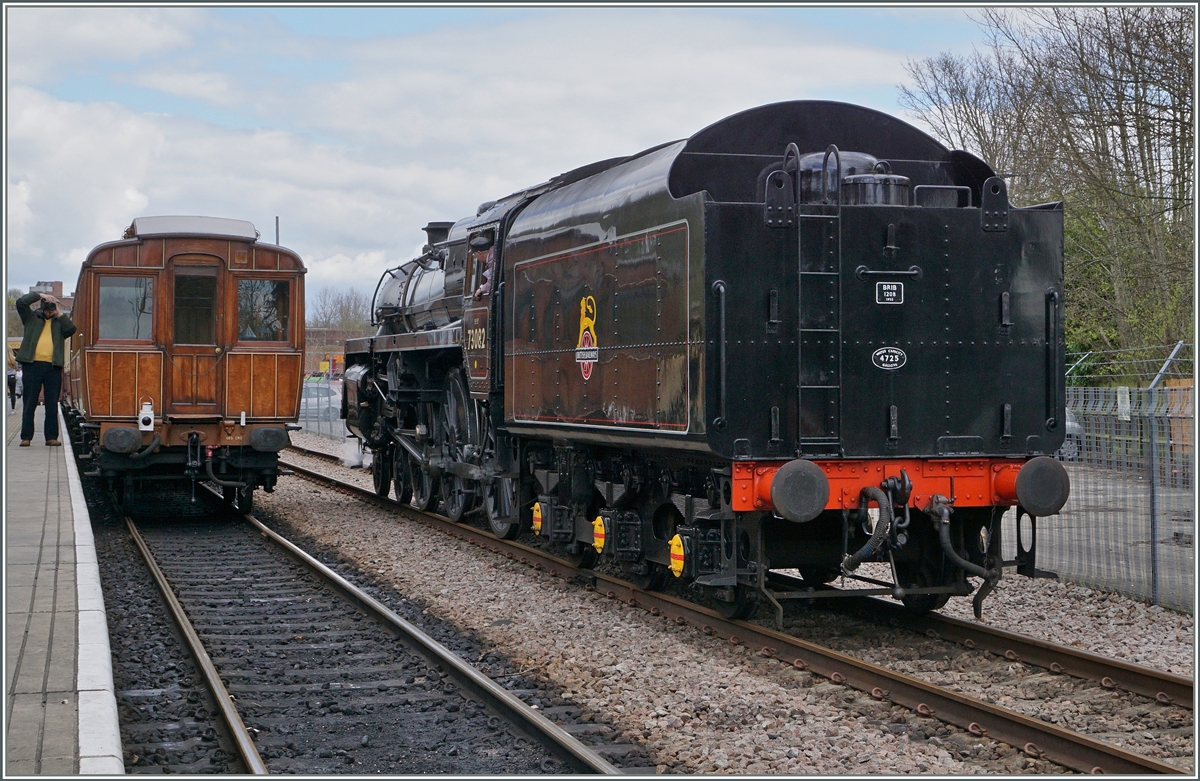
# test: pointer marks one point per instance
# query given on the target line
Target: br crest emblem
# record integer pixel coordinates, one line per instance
(587, 351)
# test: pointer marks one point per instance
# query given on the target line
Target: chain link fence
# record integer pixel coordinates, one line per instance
(321, 409)
(1129, 525)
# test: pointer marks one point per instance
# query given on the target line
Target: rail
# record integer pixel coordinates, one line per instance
(1035, 738)
(233, 719)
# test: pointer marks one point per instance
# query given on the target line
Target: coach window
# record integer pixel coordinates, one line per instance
(263, 309)
(196, 305)
(126, 308)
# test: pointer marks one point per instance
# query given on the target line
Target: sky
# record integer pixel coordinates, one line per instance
(357, 126)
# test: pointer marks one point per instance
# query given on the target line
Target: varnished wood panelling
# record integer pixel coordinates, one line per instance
(151, 254)
(182, 384)
(206, 379)
(126, 255)
(238, 394)
(288, 390)
(149, 379)
(103, 258)
(99, 382)
(266, 259)
(241, 258)
(124, 386)
(264, 377)
(218, 247)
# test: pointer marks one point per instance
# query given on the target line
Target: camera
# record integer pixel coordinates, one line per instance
(49, 309)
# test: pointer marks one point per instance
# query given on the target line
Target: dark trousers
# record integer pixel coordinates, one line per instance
(40, 375)
(12, 391)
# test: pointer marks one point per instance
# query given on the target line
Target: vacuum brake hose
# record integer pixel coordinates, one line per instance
(942, 512)
(217, 480)
(851, 562)
(146, 450)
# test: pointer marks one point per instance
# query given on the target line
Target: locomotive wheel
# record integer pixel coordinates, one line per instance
(654, 577)
(401, 482)
(424, 486)
(817, 577)
(743, 606)
(581, 555)
(921, 576)
(458, 496)
(500, 499)
(381, 472)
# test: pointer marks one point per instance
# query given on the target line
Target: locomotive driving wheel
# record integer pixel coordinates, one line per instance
(381, 472)
(500, 500)
(423, 485)
(401, 481)
(461, 430)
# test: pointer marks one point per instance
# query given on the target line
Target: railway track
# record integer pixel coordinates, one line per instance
(306, 685)
(1032, 736)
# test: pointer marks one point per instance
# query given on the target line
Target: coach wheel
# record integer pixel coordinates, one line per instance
(229, 495)
(652, 577)
(424, 486)
(500, 499)
(381, 472)
(743, 606)
(245, 499)
(401, 482)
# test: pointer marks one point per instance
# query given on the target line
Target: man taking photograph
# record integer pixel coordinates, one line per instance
(42, 354)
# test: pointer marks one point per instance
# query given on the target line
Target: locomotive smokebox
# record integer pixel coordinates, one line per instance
(1043, 486)
(799, 490)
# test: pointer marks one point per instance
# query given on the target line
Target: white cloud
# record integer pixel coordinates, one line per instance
(390, 134)
(43, 43)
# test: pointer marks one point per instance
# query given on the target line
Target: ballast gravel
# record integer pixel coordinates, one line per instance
(697, 704)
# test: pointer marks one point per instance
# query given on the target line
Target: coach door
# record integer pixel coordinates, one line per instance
(193, 346)
(478, 292)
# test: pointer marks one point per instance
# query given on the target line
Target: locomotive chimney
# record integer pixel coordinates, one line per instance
(437, 231)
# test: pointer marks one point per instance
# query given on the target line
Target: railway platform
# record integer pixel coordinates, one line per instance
(60, 710)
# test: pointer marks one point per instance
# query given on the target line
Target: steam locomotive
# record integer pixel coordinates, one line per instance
(807, 337)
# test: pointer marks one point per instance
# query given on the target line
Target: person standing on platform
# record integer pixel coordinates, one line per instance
(12, 382)
(42, 355)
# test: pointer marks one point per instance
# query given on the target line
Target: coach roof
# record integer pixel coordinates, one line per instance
(192, 226)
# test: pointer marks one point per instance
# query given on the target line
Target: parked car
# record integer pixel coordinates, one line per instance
(1073, 443)
(320, 401)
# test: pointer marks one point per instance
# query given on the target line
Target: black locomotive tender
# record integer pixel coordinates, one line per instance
(809, 336)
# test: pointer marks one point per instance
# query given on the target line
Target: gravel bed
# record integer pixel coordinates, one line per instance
(307, 439)
(1108, 624)
(1111, 625)
(1129, 721)
(168, 720)
(696, 703)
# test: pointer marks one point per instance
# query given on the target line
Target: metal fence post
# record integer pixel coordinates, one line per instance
(1153, 496)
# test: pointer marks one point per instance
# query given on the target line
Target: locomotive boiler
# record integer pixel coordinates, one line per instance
(807, 337)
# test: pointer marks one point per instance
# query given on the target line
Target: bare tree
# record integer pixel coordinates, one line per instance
(1092, 106)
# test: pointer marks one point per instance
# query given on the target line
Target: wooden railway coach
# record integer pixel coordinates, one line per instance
(809, 336)
(187, 363)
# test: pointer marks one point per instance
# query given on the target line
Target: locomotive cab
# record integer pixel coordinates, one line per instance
(187, 364)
